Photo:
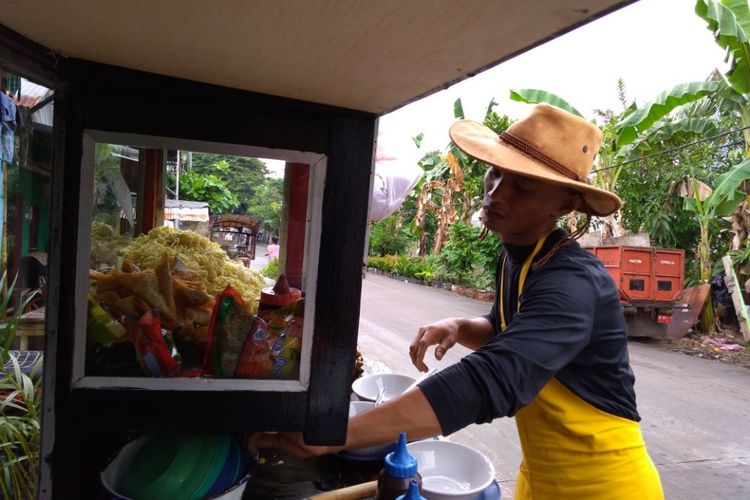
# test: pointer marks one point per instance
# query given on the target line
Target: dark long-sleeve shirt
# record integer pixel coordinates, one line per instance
(570, 326)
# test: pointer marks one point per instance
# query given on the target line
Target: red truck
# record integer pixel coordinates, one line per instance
(650, 281)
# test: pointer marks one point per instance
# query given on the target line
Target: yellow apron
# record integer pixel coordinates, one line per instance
(572, 450)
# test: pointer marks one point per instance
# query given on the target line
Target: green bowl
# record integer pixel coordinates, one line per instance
(221, 453)
(170, 466)
(153, 459)
(203, 457)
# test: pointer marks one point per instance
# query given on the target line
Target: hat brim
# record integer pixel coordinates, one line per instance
(482, 143)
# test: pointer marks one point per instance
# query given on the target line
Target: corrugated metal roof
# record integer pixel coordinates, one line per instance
(31, 94)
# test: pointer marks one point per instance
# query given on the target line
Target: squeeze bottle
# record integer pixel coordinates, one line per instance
(399, 470)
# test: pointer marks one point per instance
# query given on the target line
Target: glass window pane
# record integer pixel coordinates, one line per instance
(211, 284)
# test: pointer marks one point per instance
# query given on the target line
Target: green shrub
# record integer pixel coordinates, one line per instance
(389, 237)
(272, 269)
(412, 267)
(467, 261)
(384, 263)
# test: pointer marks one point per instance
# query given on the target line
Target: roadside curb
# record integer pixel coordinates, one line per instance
(472, 293)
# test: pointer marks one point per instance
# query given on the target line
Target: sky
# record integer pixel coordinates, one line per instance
(652, 45)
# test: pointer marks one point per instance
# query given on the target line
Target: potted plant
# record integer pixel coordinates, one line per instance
(20, 408)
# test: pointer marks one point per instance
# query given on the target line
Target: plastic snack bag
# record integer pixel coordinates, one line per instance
(238, 342)
(156, 351)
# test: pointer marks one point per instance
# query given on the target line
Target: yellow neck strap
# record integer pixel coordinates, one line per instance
(521, 280)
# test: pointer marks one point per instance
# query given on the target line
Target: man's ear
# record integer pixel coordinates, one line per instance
(570, 202)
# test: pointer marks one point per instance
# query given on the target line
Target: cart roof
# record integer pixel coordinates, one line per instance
(370, 56)
(238, 221)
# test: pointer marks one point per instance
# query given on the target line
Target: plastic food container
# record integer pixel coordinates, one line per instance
(116, 474)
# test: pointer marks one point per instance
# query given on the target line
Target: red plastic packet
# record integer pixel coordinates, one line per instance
(238, 344)
(156, 357)
(255, 359)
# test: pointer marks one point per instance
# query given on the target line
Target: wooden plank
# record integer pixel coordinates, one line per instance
(56, 467)
(730, 279)
(21, 56)
(122, 100)
(345, 206)
(363, 490)
(134, 410)
(30, 325)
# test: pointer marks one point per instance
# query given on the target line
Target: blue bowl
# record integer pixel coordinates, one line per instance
(221, 454)
(229, 473)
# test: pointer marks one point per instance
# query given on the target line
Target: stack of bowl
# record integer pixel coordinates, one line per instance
(370, 453)
(193, 466)
(393, 385)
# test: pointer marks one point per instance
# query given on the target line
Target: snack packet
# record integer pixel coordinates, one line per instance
(101, 327)
(156, 351)
(238, 342)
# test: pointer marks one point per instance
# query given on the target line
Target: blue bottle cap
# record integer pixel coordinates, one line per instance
(399, 463)
(412, 493)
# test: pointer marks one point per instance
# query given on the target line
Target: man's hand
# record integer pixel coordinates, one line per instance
(471, 333)
(288, 442)
(444, 333)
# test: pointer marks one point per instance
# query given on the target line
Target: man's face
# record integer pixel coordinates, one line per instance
(519, 207)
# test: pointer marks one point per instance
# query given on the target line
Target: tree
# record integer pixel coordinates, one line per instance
(208, 187)
(453, 184)
(620, 130)
(388, 236)
(267, 204)
(244, 176)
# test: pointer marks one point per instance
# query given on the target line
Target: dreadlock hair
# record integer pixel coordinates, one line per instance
(586, 210)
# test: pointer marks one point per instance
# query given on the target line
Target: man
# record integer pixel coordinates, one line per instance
(553, 350)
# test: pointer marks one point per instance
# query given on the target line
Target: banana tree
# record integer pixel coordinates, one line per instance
(622, 130)
(729, 21)
(456, 179)
(473, 170)
(708, 205)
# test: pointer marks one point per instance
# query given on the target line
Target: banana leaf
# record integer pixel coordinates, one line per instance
(726, 196)
(729, 20)
(534, 96)
(490, 107)
(458, 109)
(664, 130)
(643, 118)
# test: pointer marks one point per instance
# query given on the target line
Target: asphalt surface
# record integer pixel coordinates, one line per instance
(696, 412)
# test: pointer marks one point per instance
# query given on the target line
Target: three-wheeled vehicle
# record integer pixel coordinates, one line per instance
(236, 234)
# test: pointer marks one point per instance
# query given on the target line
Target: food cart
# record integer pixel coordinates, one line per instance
(237, 235)
(227, 79)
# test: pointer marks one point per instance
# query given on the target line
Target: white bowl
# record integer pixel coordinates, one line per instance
(367, 388)
(370, 452)
(451, 471)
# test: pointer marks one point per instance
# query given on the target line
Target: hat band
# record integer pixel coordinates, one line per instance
(536, 154)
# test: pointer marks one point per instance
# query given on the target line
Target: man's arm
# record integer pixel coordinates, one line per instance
(475, 332)
(472, 333)
(410, 413)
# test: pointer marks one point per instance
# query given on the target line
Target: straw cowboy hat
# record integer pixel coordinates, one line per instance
(550, 144)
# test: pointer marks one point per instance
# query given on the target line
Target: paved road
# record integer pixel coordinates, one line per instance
(696, 412)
